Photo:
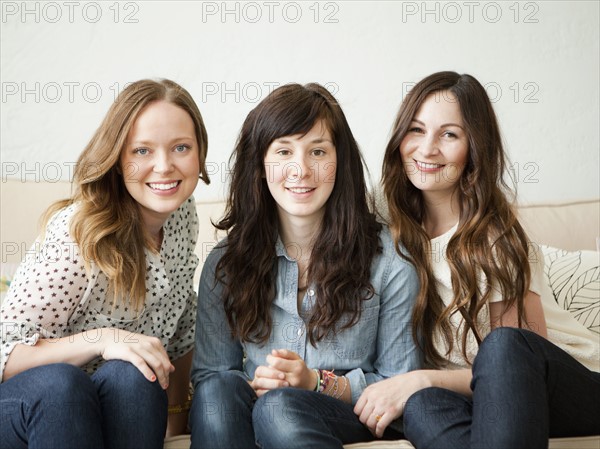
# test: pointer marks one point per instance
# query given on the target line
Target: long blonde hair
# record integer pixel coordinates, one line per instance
(489, 238)
(107, 225)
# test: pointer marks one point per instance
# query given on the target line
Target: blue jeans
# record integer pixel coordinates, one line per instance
(525, 390)
(60, 406)
(227, 414)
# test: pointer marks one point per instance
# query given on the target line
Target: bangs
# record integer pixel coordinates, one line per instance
(291, 113)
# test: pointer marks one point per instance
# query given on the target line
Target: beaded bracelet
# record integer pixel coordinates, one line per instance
(326, 377)
(334, 388)
(318, 372)
(346, 382)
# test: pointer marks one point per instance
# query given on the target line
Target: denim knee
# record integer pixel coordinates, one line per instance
(502, 345)
(62, 380)
(124, 378)
(416, 406)
(56, 393)
(62, 389)
(278, 413)
(121, 381)
(221, 414)
(222, 398)
(53, 405)
(435, 415)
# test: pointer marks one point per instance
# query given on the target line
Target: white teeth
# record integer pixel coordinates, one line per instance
(155, 186)
(428, 166)
(299, 189)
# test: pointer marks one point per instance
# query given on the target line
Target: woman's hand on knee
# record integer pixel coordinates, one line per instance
(382, 402)
(146, 353)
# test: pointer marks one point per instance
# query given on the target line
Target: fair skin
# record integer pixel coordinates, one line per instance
(434, 153)
(160, 166)
(300, 174)
(160, 162)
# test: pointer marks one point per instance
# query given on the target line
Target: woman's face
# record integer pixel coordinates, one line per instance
(300, 172)
(160, 162)
(434, 150)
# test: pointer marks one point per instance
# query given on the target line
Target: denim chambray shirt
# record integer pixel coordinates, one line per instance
(379, 346)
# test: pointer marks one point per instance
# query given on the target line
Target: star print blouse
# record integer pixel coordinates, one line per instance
(52, 296)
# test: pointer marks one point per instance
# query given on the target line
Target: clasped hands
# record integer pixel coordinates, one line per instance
(284, 369)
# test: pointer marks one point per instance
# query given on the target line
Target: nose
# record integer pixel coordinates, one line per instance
(163, 162)
(299, 168)
(429, 146)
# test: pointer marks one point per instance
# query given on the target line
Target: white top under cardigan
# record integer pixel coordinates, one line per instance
(563, 329)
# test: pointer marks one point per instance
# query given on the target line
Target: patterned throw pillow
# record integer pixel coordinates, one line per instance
(574, 277)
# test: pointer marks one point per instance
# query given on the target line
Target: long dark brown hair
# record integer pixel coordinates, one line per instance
(489, 238)
(107, 224)
(348, 240)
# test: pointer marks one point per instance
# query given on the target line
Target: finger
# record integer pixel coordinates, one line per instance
(366, 414)
(157, 365)
(285, 354)
(142, 366)
(385, 421)
(268, 384)
(284, 365)
(269, 372)
(259, 393)
(372, 422)
(157, 348)
(360, 405)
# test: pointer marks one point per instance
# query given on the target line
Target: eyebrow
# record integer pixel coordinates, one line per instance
(318, 140)
(150, 143)
(441, 126)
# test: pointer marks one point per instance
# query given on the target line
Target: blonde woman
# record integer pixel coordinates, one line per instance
(98, 327)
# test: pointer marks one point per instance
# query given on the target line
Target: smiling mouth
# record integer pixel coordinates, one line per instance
(300, 189)
(163, 186)
(427, 166)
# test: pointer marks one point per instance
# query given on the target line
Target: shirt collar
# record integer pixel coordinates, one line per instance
(280, 250)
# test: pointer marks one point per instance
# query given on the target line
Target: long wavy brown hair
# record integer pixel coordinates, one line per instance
(489, 239)
(341, 258)
(107, 225)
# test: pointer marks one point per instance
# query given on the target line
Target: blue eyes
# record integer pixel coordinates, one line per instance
(178, 149)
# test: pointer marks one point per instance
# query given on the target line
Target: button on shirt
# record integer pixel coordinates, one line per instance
(52, 296)
(379, 346)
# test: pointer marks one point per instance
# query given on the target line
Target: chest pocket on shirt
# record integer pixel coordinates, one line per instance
(355, 342)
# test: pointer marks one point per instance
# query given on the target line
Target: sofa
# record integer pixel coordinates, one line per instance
(568, 232)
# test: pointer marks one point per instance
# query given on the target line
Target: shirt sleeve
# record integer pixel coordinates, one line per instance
(216, 349)
(536, 264)
(182, 340)
(49, 284)
(396, 350)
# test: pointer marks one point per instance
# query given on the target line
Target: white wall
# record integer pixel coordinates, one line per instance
(63, 62)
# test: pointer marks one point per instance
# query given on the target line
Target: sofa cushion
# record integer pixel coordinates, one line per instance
(574, 278)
